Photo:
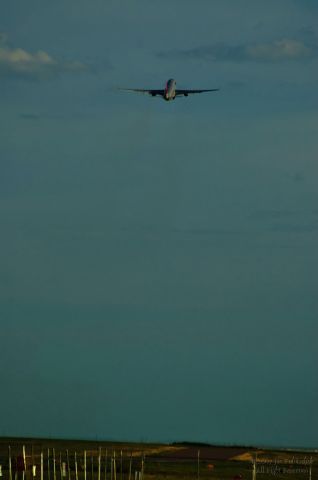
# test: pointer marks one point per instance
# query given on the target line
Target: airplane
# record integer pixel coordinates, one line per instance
(170, 92)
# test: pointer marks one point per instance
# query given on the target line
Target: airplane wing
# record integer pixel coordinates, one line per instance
(141, 90)
(188, 92)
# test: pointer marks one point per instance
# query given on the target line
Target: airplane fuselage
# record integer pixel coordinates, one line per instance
(170, 90)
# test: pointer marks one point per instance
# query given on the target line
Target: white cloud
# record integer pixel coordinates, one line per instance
(18, 62)
(279, 50)
(285, 49)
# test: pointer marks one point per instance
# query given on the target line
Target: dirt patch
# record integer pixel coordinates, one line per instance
(206, 453)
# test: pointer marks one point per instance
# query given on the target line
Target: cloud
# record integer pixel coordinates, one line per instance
(290, 221)
(272, 214)
(279, 50)
(17, 62)
(293, 228)
(29, 116)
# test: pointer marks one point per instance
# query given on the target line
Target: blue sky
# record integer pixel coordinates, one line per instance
(158, 275)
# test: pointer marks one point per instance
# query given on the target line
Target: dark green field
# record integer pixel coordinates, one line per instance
(64, 460)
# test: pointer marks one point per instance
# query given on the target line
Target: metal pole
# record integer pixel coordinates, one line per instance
(48, 464)
(84, 464)
(41, 464)
(105, 466)
(10, 464)
(32, 460)
(54, 465)
(142, 467)
(130, 465)
(99, 461)
(254, 468)
(68, 465)
(75, 461)
(61, 467)
(24, 462)
(198, 464)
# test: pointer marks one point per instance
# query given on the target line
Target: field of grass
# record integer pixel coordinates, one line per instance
(123, 461)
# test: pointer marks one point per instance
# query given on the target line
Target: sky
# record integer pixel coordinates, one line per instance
(158, 260)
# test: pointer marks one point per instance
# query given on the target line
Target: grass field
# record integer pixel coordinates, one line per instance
(122, 461)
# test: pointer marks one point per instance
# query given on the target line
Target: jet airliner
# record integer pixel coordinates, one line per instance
(170, 92)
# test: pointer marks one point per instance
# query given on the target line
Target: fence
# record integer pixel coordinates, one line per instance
(86, 465)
